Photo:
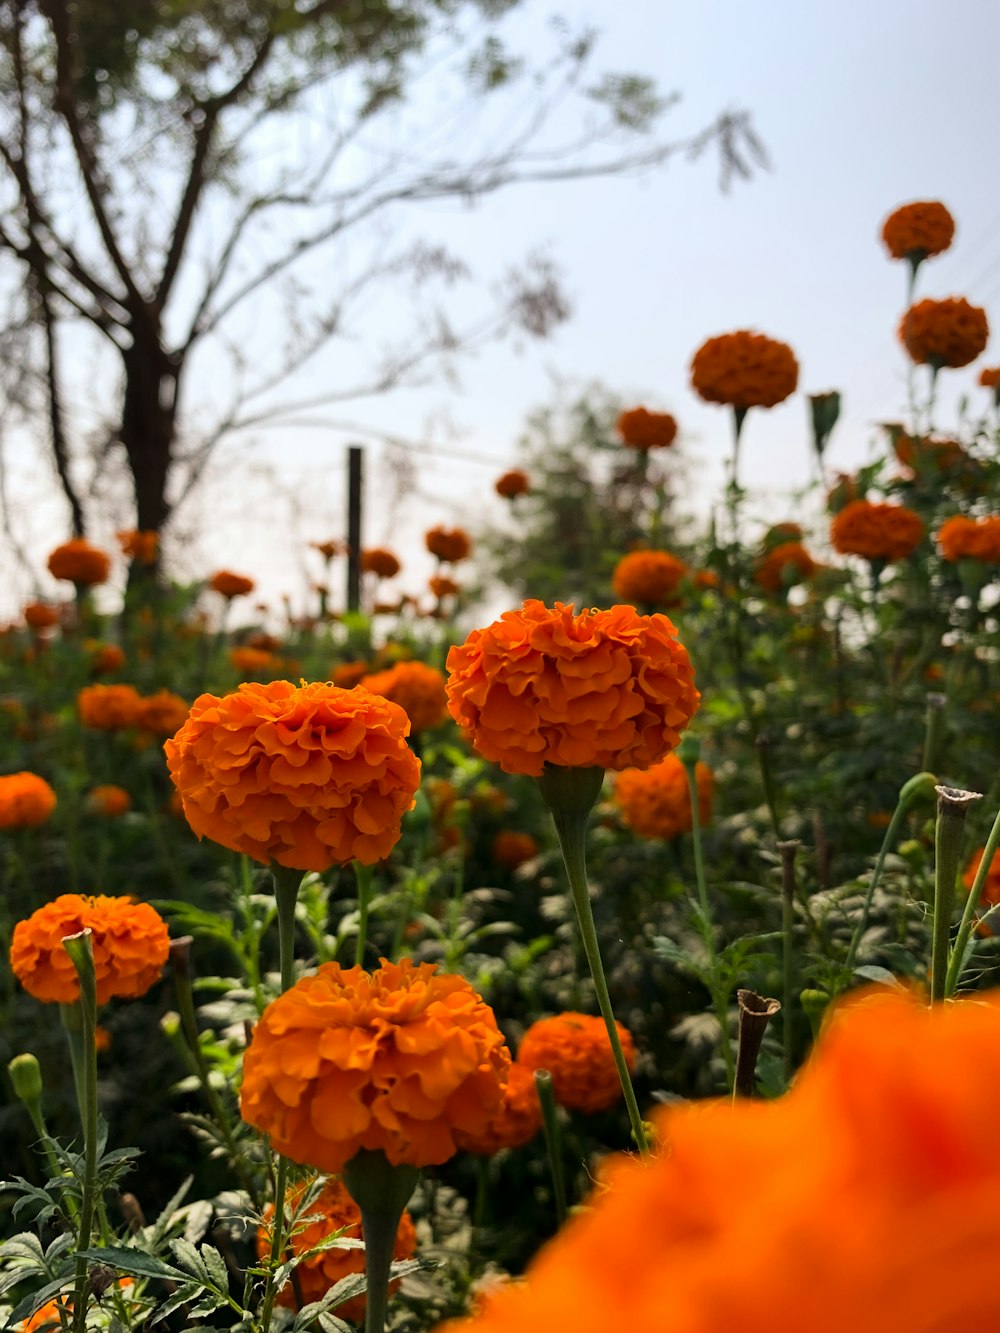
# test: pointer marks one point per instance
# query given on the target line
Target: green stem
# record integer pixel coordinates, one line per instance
(553, 1140)
(363, 876)
(570, 794)
(80, 1020)
(381, 1191)
(957, 961)
(788, 851)
(952, 808)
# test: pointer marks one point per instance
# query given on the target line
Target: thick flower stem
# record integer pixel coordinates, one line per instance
(381, 1191)
(553, 1140)
(953, 806)
(80, 1021)
(570, 794)
(363, 876)
(957, 961)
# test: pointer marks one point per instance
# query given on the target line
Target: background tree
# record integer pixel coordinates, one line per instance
(176, 178)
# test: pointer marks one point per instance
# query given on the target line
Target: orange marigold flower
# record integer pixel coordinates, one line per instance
(142, 545)
(576, 1050)
(40, 615)
(656, 802)
(109, 801)
(641, 429)
(449, 544)
(511, 848)
(962, 538)
(398, 1059)
(26, 800)
(706, 578)
(330, 1211)
(876, 531)
(918, 230)
(512, 484)
(784, 565)
(442, 586)
(609, 689)
(922, 453)
(79, 562)
(104, 657)
(348, 674)
(109, 707)
(744, 370)
(162, 713)
(989, 377)
(417, 688)
(230, 585)
(944, 333)
(380, 562)
(990, 893)
(516, 1123)
(648, 578)
(307, 777)
(330, 549)
(129, 938)
(877, 1175)
(252, 661)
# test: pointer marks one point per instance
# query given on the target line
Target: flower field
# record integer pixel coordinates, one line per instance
(622, 960)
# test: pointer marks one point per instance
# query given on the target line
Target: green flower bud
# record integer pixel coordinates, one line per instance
(26, 1076)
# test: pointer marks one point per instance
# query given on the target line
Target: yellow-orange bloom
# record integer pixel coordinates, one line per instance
(865, 1198)
(641, 429)
(656, 802)
(40, 615)
(129, 938)
(876, 531)
(78, 561)
(512, 484)
(962, 538)
(609, 689)
(109, 707)
(349, 674)
(250, 661)
(307, 777)
(398, 1059)
(576, 1050)
(380, 562)
(648, 578)
(918, 230)
(944, 333)
(26, 800)
(332, 1210)
(140, 545)
(744, 370)
(449, 544)
(511, 848)
(109, 800)
(516, 1123)
(417, 688)
(162, 713)
(784, 565)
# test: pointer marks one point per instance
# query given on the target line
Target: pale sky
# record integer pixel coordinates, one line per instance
(861, 105)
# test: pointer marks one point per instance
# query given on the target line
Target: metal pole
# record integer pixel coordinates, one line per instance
(355, 471)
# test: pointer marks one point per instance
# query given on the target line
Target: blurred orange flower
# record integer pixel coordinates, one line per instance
(576, 1050)
(330, 549)
(26, 800)
(921, 453)
(307, 777)
(512, 484)
(417, 688)
(104, 657)
(40, 615)
(918, 230)
(449, 544)
(780, 533)
(641, 429)
(511, 848)
(609, 689)
(398, 1059)
(129, 938)
(79, 562)
(109, 707)
(656, 802)
(648, 578)
(252, 661)
(332, 1210)
(745, 370)
(142, 546)
(109, 801)
(944, 333)
(990, 893)
(962, 538)
(516, 1123)
(866, 1198)
(989, 377)
(348, 674)
(442, 586)
(876, 531)
(783, 565)
(230, 585)
(162, 713)
(380, 562)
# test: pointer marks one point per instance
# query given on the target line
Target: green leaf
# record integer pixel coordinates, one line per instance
(136, 1262)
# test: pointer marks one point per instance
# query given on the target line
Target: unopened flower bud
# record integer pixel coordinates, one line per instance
(26, 1076)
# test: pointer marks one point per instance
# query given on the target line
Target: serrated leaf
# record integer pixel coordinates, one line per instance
(189, 1258)
(135, 1262)
(184, 1294)
(26, 1308)
(216, 1266)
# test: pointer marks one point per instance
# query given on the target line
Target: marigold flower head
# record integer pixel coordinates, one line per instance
(644, 430)
(380, 562)
(26, 800)
(162, 713)
(962, 538)
(109, 801)
(442, 586)
(109, 707)
(648, 578)
(129, 938)
(348, 674)
(944, 333)
(307, 777)
(141, 545)
(876, 531)
(744, 370)
(332, 1210)
(511, 484)
(40, 615)
(104, 657)
(876, 1174)
(656, 802)
(448, 544)
(230, 585)
(398, 1059)
(918, 230)
(512, 848)
(79, 562)
(330, 549)
(576, 1050)
(417, 688)
(924, 453)
(609, 689)
(516, 1122)
(251, 662)
(989, 377)
(784, 565)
